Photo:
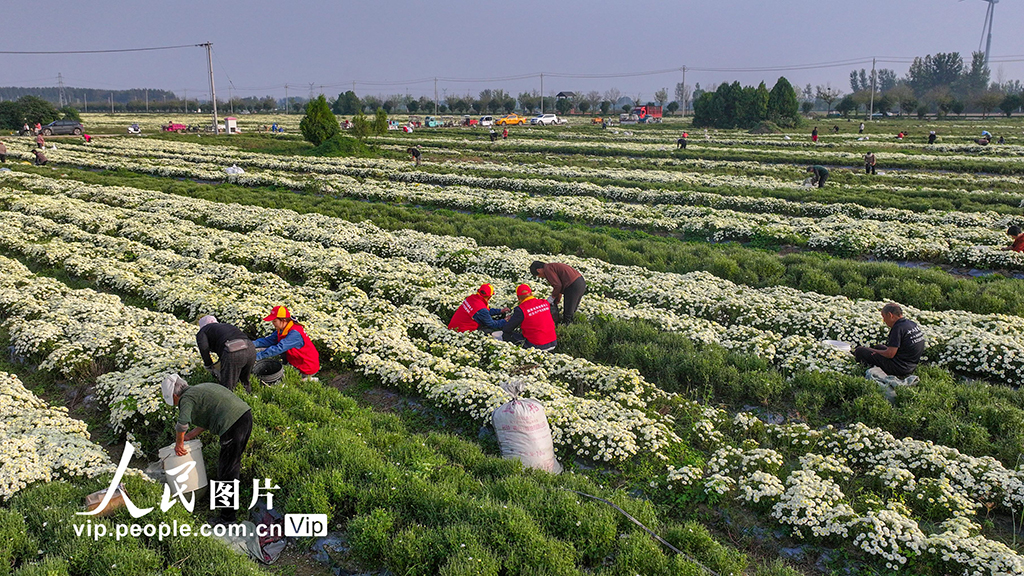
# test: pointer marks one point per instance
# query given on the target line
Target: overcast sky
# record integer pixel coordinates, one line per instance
(260, 46)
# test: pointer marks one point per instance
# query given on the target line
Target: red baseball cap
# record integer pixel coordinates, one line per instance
(486, 290)
(523, 290)
(278, 312)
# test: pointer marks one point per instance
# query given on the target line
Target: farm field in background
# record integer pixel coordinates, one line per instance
(695, 391)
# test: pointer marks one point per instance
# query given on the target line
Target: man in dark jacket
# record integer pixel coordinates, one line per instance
(902, 351)
(234, 349)
(564, 280)
(820, 175)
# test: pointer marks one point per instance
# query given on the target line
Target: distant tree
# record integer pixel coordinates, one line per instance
(884, 104)
(806, 106)
(828, 95)
(957, 107)
(563, 105)
(1011, 103)
(36, 110)
(988, 101)
(494, 105)
(387, 106)
(70, 113)
(605, 106)
(361, 126)
(477, 106)
(412, 106)
(612, 95)
(782, 105)
(975, 80)
(903, 97)
(11, 117)
(583, 106)
(626, 108)
(661, 96)
(886, 79)
(528, 102)
(807, 93)
(673, 106)
(683, 92)
(846, 105)
(380, 122)
(320, 123)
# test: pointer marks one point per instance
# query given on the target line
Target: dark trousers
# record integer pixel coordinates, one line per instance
(863, 354)
(236, 367)
(821, 181)
(681, 143)
(869, 168)
(229, 463)
(3, 157)
(571, 296)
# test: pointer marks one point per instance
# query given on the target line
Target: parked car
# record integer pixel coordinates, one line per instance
(510, 120)
(174, 127)
(58, 127)
(468, 121)
(487, 120)
(546, 120)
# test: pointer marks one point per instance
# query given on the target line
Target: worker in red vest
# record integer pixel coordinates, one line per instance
(533, 318)
(474, 314)
(289, 339)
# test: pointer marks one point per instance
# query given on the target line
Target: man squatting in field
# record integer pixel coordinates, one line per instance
(475, 314)
(289, 340)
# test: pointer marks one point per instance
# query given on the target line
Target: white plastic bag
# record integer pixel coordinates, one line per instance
(523, 431)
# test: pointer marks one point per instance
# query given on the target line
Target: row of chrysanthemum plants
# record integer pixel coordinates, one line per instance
(332, 458)
(782, 324)
(93, 263)
(963, 239)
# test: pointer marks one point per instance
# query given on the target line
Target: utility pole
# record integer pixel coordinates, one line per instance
(353, 86)
(871, 109)
(310, 91)
(542, 93)
(111, 102)
(147, 99)
(213, 89)
(86, 96)
(684, 91)
(186, 100)
(285, 98)
(435, 95)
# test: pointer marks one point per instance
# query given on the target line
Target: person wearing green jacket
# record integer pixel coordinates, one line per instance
(820, 175)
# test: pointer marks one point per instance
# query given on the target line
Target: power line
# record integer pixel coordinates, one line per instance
(36, 52)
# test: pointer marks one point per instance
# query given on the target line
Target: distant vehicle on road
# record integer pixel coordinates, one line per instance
(546, 120)
(642, 115)
(174, 127)
(59, 127)
(487, 120)
(510, 120)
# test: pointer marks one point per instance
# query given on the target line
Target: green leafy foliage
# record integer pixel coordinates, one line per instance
(319, 124)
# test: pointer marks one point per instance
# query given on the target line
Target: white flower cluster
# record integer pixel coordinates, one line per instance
(40, 443)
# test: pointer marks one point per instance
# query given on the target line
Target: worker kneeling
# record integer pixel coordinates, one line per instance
(474, 314)
(210, 406)
(533, 318)
(289, 339)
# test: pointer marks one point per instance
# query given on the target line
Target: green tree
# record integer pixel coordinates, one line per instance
(606, 106)
(846, 105)
(347, 104)
(412, 106)
(510, 105)
(828, 95)
(11, 116)
(563, 105)
(661, 96)
(988, 101)
(1011, 103)
(380, 122)
(583, 106)
(626, 108)
(673, 106)
(806, 107)
(70, 113)
(783, 108)
(320, 123)
(37, 110)
(957, 107)
(361, 126)
(761, 97)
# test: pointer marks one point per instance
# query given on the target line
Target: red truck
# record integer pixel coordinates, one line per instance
(174, 127)
(642, 115)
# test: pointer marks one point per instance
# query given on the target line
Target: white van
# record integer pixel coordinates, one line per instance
(487, 120)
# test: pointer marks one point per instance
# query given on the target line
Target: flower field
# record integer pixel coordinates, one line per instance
(104, 277)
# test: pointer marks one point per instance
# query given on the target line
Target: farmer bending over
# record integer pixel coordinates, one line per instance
(820, 175)
(234, 350)
(564, 280)
(210, 406)
(902, 351)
